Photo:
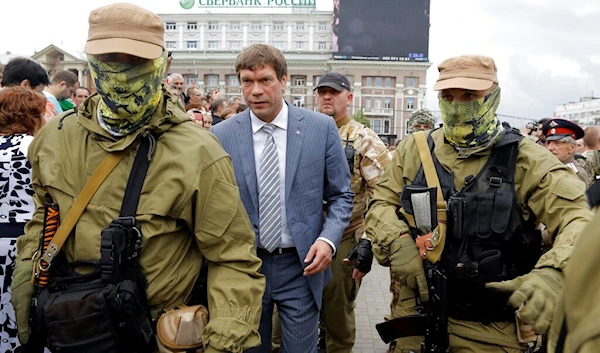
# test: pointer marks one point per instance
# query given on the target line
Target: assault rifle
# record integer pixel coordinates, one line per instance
(432, 320)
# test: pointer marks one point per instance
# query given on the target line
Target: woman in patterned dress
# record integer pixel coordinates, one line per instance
(21, 117)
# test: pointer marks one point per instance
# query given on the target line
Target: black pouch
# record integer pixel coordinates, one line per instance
(76, 317)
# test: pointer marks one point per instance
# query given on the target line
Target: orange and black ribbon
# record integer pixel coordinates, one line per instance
(51, 223)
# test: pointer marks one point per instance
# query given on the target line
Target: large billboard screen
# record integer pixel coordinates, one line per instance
(385, 30)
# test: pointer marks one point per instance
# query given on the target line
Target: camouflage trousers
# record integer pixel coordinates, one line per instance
(465, 336)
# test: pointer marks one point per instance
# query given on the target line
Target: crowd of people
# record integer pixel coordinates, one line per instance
(272, 214)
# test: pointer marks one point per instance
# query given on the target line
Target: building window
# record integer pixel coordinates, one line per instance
(256, 26)
(410, 82)
(213, 44)
(171, 45)
(322, 45)
(299, 81)
(368, 103)
(369, 82)
(300, 26)
(190, 80)
(377, 126)
(192, 44)
(299, 45)
(410, 103)
(386, 126)
(388, 82)
(233, 81)
(234, 26)
(278, 26)
(278, 45)
(378, 82)
(213, 26)
(377, 103)
(317, 79)
(322, 26)
(192, 26)
(212, 80)
(171, 26)
(299, 102)
(388, 103)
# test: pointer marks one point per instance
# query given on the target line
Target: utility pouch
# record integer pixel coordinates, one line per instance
(350, 152)
(181, 328)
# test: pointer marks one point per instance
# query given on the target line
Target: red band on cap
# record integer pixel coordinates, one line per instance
(562, 131)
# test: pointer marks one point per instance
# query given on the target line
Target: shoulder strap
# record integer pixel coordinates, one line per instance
(83, 199)
(137, 177)
(431, 176)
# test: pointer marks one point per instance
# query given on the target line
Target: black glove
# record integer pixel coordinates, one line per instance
(363, 254)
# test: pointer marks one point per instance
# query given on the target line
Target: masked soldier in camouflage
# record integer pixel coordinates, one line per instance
(421, 120)
(367, 158)
(497, 185)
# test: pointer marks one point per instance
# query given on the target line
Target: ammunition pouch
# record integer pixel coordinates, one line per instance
(105, 311)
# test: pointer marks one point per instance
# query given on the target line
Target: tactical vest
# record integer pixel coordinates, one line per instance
(488, 239)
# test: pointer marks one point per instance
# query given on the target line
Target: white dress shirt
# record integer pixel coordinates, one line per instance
(259, 138)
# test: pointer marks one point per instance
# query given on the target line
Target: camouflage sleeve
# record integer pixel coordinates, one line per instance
(382, 224)
(556, 196)
(374, 159)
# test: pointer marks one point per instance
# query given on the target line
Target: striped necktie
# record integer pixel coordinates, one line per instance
(269, 211)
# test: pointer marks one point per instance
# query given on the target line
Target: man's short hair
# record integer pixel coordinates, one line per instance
(189, 90)
(241, 108)
(233, 99)
(259, 55)
(216, 104)
(20, 69)
(174, 76)
(85, 88)
(67, 76)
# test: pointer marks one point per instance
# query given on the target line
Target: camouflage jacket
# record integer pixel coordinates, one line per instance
(370, 161)
(592, 165)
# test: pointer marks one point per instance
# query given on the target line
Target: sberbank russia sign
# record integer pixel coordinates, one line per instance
(188, 4)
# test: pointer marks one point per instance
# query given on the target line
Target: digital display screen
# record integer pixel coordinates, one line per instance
(381, 30)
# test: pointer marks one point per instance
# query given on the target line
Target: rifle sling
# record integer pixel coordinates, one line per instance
(432, 181)
(83, 199)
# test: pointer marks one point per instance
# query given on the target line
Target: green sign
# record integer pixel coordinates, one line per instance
(188, 4)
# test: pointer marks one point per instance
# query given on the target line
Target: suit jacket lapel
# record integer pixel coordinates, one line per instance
(294, 146)
(246, 146)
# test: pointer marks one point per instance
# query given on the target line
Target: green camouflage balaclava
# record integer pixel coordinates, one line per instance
(420, 117)
(130, 92)
(471, 126)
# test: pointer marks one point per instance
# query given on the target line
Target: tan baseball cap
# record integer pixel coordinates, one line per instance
(125, 28)
(473, 72)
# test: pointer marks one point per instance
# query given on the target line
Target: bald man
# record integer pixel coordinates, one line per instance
(592, 155)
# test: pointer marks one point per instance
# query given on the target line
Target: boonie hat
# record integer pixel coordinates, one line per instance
(556, 129)
(334, 80)
(125, 28)
(473, 72)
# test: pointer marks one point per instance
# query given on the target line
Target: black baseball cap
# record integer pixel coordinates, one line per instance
(334, 80)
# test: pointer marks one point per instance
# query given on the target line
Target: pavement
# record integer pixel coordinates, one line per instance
(372, 304)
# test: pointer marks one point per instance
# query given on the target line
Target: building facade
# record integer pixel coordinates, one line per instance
(586, 112)
(205, 47)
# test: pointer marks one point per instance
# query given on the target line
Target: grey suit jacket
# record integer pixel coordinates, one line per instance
(316, 170)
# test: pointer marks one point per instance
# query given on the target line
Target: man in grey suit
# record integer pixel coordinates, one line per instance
(287, 162)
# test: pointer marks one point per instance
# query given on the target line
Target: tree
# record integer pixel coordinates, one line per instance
(361, 118)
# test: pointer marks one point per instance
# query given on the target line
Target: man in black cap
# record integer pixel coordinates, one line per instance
(561, 140)
(367, 157)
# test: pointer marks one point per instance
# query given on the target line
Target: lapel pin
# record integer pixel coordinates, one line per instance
(297, 132)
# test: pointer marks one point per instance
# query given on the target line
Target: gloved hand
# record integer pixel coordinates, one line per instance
(364, 258)
(407, 266)
(538, 291)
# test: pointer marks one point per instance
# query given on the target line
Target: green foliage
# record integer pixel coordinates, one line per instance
(361, 118)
